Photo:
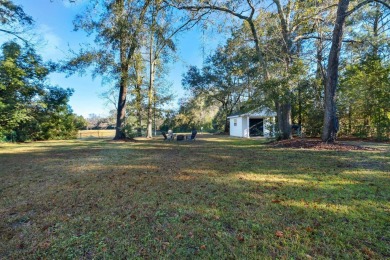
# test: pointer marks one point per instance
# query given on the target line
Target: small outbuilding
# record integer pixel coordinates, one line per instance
(258, 122)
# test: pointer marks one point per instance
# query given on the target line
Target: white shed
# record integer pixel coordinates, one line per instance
(258, 122)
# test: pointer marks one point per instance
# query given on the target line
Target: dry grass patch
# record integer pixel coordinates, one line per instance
(213, 198)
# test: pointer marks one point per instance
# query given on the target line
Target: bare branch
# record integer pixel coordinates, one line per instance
(14, 34)
(252, 9)
(308, 37)
(179, 29)
(358, 6)
(194, 8)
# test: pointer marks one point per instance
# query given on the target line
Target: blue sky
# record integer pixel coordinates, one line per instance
(54, 29)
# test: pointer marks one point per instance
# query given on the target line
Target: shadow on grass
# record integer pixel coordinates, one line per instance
(208, 199)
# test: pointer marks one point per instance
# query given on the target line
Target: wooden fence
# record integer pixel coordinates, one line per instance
(96, 134)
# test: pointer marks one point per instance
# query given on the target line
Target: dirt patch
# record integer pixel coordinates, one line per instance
(316, 144)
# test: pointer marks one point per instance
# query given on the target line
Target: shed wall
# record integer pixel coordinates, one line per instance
(245, 127)
(241, 129)
(236, 129)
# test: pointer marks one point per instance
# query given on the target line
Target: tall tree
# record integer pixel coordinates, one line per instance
(244, 10)
(221, 80)
(364, 98)
(118, 26)
(21, 75)
(29, 108)
(138, 79)
(331, 124)
(370, 27)
(363, 104)
(163, 25)
(290, 20)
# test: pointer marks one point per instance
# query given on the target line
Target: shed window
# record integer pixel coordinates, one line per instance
(235, 122)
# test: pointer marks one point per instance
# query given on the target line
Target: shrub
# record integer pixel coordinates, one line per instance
(129, 131)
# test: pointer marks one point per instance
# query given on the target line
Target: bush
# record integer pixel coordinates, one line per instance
(129, 131)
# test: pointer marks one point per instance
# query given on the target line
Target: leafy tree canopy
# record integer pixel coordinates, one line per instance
(30, 109)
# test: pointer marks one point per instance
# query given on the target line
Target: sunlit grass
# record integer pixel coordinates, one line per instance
(214, 198)
(95, 134)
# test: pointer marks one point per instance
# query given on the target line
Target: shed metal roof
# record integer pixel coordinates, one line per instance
(258, 112)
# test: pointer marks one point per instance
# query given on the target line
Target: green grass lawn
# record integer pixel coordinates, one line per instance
(215, 198)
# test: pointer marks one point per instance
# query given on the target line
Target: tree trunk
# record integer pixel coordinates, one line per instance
(150, 99)
(121, 113)
(330, 119)
(138, 93)
(286, 120)
(300, 104)
(320, 72)
(120, 119)
(227, 126)
(149, 128)
(259, 53)
(375, 47)
(349, 119)
(279, 115)
(285, 105)
(138, 105)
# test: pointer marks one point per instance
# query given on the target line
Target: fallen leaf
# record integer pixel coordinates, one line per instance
(45, 245)
(367, 252)
(165, 245)
(203, 247)
(276, 201)
(179, 236)
(279, 233)
(240, 238)
(309, 229)
(185, 218)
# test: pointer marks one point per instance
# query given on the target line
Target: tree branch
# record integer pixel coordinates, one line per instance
(252, 9)
(308, 37)
(14, 34)
(358, 6)
(194, 8)
(179, 29)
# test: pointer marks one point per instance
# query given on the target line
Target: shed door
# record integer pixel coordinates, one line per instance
(256, 127)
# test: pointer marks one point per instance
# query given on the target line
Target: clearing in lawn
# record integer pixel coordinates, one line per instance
(217, 197)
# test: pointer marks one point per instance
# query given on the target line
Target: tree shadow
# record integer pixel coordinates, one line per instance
(151, 198)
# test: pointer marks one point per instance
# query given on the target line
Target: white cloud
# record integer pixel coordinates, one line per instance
(49, 43)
